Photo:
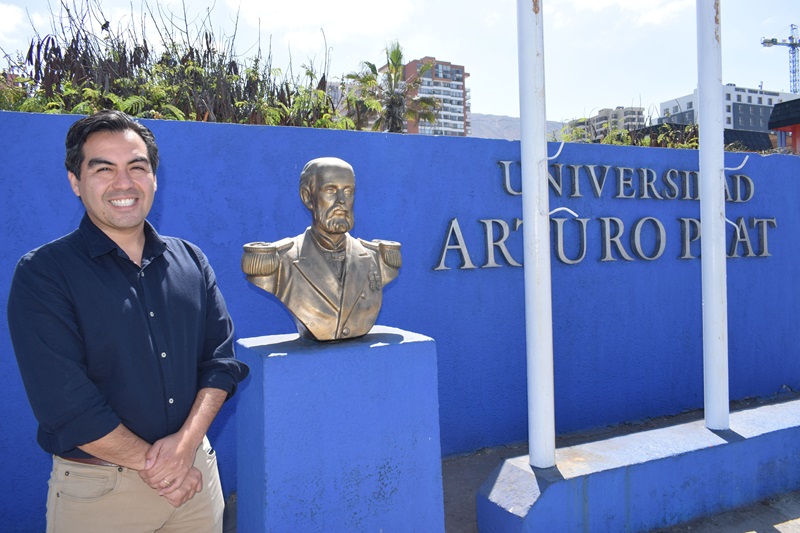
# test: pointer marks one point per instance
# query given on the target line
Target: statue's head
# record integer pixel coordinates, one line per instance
(328, 188)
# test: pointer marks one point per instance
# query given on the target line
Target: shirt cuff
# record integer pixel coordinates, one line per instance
(89, 426)
(224, 374)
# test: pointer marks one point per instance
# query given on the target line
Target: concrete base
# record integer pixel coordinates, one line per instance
(649, 479)
(340, 436)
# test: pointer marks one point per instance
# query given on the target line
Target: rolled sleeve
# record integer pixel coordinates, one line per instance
(219, 368)
(48, 346)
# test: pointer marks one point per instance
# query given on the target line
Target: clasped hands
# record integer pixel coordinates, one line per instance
(169, 470)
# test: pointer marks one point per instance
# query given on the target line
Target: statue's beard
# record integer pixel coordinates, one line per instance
(337, 222)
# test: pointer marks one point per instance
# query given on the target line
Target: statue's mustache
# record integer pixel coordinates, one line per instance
(337, 210)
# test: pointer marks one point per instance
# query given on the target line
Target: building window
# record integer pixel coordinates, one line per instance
(749, 99)
(738, 97)
(674, 109)
(728, 120)
(769, 101)
(760, 100)
(689, 105)
(442, 71)
(728, 97)
(727, 109)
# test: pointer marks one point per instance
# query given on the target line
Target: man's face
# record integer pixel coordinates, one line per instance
(117, 184)
(331, 203)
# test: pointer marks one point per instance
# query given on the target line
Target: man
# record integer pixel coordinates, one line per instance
(125, 348)
(331, 282)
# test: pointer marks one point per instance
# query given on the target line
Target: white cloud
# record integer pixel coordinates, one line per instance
(13, 24)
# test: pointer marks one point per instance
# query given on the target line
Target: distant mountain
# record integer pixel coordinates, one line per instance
(502, 127)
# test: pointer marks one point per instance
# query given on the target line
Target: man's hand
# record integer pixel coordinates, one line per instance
(192, 484)
(168, 462)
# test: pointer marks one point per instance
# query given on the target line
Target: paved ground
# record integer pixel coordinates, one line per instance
(461, 478)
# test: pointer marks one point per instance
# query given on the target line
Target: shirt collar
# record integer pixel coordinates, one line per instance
(100, 244)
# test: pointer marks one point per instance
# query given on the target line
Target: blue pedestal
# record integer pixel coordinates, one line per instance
(339, 436)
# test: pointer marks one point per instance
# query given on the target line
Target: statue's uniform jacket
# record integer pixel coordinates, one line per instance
(326, 308)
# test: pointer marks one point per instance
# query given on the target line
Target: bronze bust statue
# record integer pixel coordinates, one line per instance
(331, 282)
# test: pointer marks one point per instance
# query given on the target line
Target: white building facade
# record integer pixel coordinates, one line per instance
(607, 120)
(745, 109)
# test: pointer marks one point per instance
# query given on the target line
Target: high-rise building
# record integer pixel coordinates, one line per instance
(446, 83)
(745, 109)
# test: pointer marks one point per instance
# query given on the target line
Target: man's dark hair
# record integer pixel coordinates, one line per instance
(106, 120)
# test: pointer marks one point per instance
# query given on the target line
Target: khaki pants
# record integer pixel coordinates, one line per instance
(88, 498)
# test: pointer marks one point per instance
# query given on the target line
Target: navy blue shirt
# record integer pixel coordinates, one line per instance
(101, 341)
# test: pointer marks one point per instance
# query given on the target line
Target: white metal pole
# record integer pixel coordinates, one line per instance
(712, 216)
(536, 235)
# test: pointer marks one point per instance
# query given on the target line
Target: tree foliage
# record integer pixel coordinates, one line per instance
(85, 64)
(662, 136)
(386, 97)
(666, 135)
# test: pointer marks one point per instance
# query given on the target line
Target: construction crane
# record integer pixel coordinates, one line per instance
(793, 44)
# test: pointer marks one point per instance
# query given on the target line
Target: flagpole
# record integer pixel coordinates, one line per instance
(536, 235)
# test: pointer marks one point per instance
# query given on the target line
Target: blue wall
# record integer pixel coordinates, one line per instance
(627, 334)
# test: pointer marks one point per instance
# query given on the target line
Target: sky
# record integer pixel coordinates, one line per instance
(598, 53)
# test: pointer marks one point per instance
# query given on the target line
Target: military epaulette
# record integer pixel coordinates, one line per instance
(263, 258)
(389, 250)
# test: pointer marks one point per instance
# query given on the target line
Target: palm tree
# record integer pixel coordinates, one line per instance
(389, 97)
(361, 96)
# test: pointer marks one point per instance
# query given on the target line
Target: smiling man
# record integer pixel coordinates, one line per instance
(125, 347)
(331, 282)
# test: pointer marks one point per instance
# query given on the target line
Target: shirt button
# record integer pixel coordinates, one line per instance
(171, 400)
(152, 314)
(163, 355)
(346, 332)
(141, 273)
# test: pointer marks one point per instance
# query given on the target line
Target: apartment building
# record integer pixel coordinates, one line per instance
(598, 126)
(446, 83)
(745, 109)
